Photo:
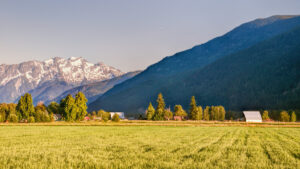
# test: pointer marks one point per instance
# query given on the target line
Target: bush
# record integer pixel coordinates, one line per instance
(115, 118)
(105, 116)
(265, 115)
(42, 116)
(12, 118)
(284, 116)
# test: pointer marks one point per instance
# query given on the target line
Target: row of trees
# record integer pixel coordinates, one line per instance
(284, 116)
(71, 109)
(24, 111)
(195, 112)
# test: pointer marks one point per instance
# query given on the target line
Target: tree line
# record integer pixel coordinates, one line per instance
(284, 116)
(195, 112)
(71, 109)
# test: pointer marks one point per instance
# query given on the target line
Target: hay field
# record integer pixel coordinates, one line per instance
(148, 147)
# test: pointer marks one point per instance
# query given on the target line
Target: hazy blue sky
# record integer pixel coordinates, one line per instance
(127, 34)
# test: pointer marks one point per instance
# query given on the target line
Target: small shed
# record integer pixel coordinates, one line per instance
(121, 114)
(252, 116)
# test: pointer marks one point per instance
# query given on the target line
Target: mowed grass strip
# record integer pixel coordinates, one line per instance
(148, 147)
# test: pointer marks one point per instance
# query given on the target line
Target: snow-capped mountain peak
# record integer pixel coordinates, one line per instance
(17, 79)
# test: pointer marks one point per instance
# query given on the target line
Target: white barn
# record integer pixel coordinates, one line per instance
(121, 114)
(252, 116)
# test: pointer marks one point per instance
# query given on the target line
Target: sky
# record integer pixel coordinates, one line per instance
(126, 34)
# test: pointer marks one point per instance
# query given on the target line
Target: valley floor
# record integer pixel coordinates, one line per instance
(26, 146)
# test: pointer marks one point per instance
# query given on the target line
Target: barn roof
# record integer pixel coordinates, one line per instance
(252, 115)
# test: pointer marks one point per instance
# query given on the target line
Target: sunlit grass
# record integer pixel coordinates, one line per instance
(148, 147)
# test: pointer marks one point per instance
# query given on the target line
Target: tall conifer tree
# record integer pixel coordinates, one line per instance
(194, 114)
(159, 111)
(150, 112)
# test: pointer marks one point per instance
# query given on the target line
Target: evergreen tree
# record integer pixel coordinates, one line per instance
(193, 111)
(293, 117)
(150, 112)
(80, 102)
(265, 115)
(178, 111)
(168, 114)
(159, 111)
(25, 107)
(206, 113)
(284, 116)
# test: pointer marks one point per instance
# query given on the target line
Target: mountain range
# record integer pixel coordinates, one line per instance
(94, 90)
(46, 80)
(253, 66)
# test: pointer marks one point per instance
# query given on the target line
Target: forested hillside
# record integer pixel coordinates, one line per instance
(184, 68)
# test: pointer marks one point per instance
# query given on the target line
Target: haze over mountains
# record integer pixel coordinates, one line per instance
(48, 79)
(232, 70)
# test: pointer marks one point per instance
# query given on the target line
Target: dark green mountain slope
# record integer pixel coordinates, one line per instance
(265, 76)
(134, 94)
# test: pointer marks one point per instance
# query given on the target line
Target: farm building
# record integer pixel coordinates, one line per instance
(121, 114)
(57, 117)
(252, 116)
(87, 118)
(177, 118)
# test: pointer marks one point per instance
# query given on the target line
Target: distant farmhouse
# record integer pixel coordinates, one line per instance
(121, 114)
(252, 116)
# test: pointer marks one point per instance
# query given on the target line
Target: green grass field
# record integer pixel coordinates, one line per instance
(148, 147)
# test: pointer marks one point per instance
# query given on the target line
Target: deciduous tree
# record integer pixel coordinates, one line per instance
(284, 116)
(200, 113)
(115, 118)
(80, 101)
(293, 117)
(206, 113)
(25, 107)
(178, 111)
(265, 115)
(168, 114)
